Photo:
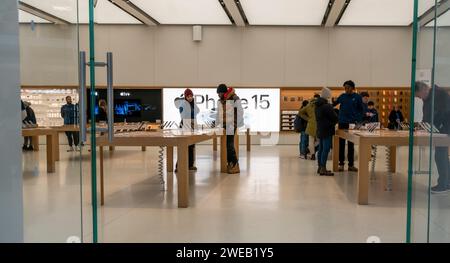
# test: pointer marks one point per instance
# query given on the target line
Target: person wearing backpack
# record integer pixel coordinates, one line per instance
(308, 113)
(230, 116)
(304, 137)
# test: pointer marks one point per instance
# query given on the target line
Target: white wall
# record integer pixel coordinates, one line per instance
(250, 56)
(11, 207)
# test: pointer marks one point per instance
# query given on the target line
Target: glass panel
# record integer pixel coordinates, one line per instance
(52, 153)
(429, 213)
(439, 218)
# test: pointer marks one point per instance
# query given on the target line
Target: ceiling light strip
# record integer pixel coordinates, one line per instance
(327, 12)
(347, 2)
(42, 14)
(232, 10)
(241, 11)
(335, 11)
(135, 12)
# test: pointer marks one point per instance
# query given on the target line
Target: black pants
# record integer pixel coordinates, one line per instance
(28, 141)
(231, 151)
(191, 150)
(351, 148)
(73, 138)
(442, 163)
(191, 157)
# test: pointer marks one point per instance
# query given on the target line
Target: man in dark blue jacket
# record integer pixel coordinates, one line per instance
(439, 117)
(69, 113)
(350, 112)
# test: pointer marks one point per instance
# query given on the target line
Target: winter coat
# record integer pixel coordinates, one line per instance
(308, 113)
(326, 119)
(188, 112)
(441, 111)
(230, 113)
(351, 108)
(31, 117)
(69, 113)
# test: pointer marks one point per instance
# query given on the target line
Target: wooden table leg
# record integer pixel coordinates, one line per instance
(102, 186)
(249, 140)
(236, 144)
(393, 159)
(144, 148)
(50, 154)
(183, 176)
(169, 159)
(335, 153)
(223, 154)
(215, 144)
(363, 173)
(56, 146)
(35, 142)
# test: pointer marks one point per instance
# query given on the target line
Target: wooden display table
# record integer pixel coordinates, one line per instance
(168, 139)
(391, 139)
(52, 144)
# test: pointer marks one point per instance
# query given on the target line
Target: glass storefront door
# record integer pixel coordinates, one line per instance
(54, 155)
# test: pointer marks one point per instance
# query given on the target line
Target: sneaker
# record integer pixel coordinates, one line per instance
(30, 148)
(303, 156)
(341, 168)
(234, 169)
(318, 170)
(70, 149)
(352, 169)
(324, 172)
(24, 148)
(192, 168)
(313, 157)
(439, 190)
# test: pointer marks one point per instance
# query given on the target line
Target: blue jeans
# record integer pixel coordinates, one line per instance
(324, 150)
(304, 143)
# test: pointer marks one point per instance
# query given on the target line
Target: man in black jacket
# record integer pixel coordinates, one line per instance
(439, 117)
(29, 121)
(326, 119)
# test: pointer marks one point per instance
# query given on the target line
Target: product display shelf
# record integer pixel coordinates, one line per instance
(47, 103)
(384, 98)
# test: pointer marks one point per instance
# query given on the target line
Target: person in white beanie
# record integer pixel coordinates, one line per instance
(326, 119)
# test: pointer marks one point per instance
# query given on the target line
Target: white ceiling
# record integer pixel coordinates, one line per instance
(190, 12)
(382, 12)
(25, 17)
(258, 12)
(105, 12)
(284, 12)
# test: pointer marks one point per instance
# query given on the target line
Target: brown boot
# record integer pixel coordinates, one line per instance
(325, 172)
(233, 169)
(352, 169)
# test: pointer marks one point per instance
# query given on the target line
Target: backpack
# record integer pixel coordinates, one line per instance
(297, 124)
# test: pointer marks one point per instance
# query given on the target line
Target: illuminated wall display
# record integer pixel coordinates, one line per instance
(261, 107)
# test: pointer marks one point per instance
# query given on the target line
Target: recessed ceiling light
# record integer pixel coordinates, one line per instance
(284, 12)
(382, 12)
